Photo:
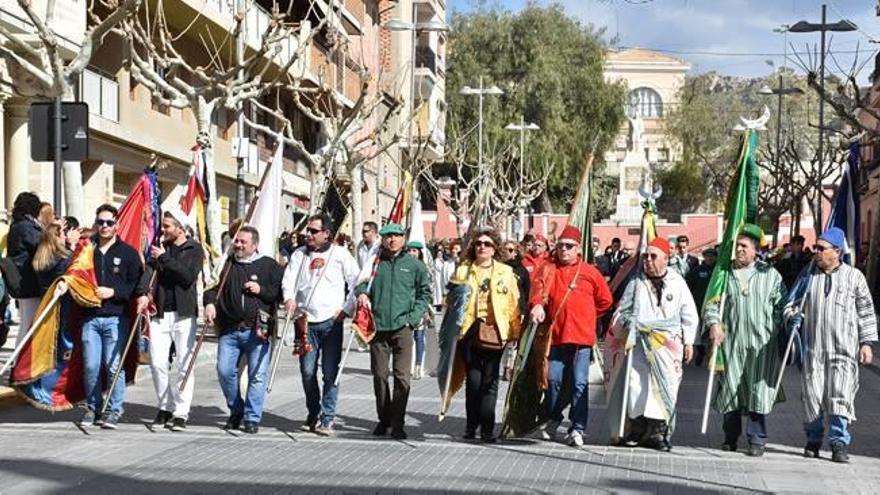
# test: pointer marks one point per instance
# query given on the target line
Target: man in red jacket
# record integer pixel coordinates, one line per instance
(572, 294)
(536, 253)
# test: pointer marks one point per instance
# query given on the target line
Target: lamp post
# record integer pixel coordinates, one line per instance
(481, 91)
(522, 127)
(809, 27)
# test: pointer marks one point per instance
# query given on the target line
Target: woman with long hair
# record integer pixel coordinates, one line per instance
(491, 320)
(24, 236)
(51, 257)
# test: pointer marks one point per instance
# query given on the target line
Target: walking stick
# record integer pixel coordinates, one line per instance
(278, 344)
(204, 332)
(134, 331)
(791, 337)
(344, 357)
(623, 407)
(34, 324)
(712, 360)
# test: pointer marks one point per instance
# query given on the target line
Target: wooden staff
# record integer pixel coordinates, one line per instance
(712, 359)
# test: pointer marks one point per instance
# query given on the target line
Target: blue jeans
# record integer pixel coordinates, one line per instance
(838, 433)
(756, 427)
(326, 340)
(419, 336)
(103, 341)
(232, 344)
(572, 361)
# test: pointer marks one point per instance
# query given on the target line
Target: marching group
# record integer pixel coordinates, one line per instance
(658, 319)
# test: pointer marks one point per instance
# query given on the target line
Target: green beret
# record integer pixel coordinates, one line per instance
(415, 245)
(752, 231)
(392, 228)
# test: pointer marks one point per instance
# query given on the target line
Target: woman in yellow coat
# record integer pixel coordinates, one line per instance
(491, 321)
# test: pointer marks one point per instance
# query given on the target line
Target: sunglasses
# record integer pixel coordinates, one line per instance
(651, 256)
(566, 245)
(484, 244)
(314, 231)
(822, 249)
(105, 223)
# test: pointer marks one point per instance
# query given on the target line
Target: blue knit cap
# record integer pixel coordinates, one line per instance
(835, 237)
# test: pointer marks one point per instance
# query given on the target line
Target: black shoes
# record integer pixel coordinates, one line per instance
(470, 433)
(250, 428)
(398, 434)
(380, 430)
(811, 450)
(233, 422)
(728, 447)
(178, 424)
(755, 451)
(310, 425)
(489, 440)
(838, 453)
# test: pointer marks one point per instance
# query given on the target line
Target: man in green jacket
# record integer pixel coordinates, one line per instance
(399, 294)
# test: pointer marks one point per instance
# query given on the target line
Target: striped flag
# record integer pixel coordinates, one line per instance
(140, 217)
(400, 209)
(845, 209)
(581, 215)
(194, 202)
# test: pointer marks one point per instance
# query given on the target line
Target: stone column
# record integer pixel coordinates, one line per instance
(4, 212)
(17, 147)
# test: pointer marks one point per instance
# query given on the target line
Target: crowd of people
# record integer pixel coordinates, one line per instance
(652, 325)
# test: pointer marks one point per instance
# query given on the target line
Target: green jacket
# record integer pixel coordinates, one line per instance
(401, 292)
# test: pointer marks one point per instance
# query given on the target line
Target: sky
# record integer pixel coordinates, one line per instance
(733, 37)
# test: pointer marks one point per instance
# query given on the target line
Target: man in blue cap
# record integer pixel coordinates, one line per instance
(398, 294)
(838, 327)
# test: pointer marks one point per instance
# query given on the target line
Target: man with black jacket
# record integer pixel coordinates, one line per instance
(245, 313)
(170, 281)
(105, 329)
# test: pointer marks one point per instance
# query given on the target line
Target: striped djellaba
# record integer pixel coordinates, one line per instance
(838, 318)
(753, 305)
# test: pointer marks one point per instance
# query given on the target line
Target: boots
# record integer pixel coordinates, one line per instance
(420, 371)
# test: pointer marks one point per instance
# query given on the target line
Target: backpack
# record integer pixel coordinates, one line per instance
(11, 277)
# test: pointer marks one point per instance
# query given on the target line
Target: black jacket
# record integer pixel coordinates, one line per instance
(234, 307)
(120, 269)
(522, 278)
(791, 267)
(178, 273)
(47, 276)
(698, 282)
(24, 236)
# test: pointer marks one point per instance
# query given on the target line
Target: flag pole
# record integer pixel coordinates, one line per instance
(224, 274)
(344, 358)
(623, 409)
(20, 345)
(712, 360)
(279, 344)
(134, 331)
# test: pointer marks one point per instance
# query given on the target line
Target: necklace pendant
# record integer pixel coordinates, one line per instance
(572, 286)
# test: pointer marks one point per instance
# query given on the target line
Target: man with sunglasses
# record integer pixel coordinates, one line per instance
(838, 328)
(568, 295)
(747, 336)
(105, 329)
(317, 286)
(369, 245)
(657, 305)
(398, 292)
(536, 254)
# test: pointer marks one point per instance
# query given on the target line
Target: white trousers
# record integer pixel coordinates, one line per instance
(164, 331)
(27, 311)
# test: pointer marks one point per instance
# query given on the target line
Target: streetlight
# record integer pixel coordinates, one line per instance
(809, 27)
(480, 92)
(522, 127)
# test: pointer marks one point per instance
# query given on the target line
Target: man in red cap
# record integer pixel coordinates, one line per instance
(658, 312)
(536, 255)
(569, 294)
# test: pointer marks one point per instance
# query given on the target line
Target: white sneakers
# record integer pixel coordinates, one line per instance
(548, 431)
(576, 439)
(417, 375)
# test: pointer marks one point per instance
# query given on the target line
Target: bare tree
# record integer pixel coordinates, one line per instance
(40, 71)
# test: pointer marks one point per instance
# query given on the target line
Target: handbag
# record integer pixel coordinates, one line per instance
(488, 337)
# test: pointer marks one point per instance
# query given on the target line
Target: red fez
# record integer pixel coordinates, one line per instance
(662, 244)
(541, 238)
(571, 233)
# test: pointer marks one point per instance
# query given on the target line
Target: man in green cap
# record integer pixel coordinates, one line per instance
(398, 294)
(746, 335)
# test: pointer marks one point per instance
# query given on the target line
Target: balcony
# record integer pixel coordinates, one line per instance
(426, 59)
(101, 93)
(428, 131)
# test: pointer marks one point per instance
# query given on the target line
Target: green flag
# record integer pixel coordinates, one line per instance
(742, 207)
(581, 215)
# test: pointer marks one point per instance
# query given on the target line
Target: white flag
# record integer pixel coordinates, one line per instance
(266, 217)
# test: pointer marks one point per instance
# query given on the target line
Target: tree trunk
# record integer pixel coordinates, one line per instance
(357, 201)
(72, 181)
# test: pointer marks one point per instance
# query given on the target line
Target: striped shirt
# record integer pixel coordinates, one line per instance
(753, 305)
(835, 324)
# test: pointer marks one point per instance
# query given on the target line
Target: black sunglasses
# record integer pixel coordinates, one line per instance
(821, 249)
(566, 245)
(108, 223)
(652, 256)
(484, 244)
(314, 231)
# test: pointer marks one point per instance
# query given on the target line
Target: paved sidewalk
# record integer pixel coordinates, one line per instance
(46, 453)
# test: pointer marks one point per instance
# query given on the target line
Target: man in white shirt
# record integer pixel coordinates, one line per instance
(369, 246)
(317, 284)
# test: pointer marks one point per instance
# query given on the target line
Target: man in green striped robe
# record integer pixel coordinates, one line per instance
(746, 334)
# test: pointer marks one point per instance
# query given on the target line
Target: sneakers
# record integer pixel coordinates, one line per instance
(178, 424)
(251, 428)
(162, 418)
(380, 430)
(811, 450)
(417, 375)
(728, 447)
(325, 429)
(755, 451)
(576, 439)
(88, 418)
(838, 453)
(548, 431)
(309, 425)
(110, 421)
(233, 422)
(470, 433)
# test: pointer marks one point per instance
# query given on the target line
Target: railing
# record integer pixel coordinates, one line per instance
(101, 93)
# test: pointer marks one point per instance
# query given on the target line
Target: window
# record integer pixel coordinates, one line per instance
(645, 103)
(101, 93)
(663, 155)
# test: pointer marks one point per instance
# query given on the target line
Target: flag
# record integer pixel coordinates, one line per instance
(49, 370)
(647, 234)
(742, 208)
(194, 202)
(140, 217)
(581, 215)
(266, 212)
(845, 208)
(400, 209)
